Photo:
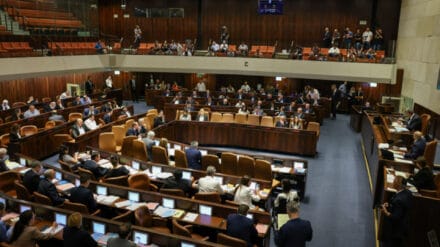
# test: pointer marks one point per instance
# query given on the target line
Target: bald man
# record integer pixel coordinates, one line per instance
(78, 128)
(418, 147)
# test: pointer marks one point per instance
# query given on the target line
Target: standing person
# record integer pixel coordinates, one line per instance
(378, 40)
(224, 35)
(137, 37)
(396, 215)
(327, 40)
(109, 82)
(239, 226)
(336, 94)
(89, 85)
(194, 156)
(296, 231)
(132, 85)
(367, 37)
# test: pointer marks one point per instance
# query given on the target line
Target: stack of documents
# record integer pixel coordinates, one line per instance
(107, 200)
(190, 217)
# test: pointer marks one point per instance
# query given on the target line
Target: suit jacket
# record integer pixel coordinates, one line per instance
(83, 195)
(75, 130)
(149, 144)
(309, 111)
(194, 158)
(424, 179)
(117, 172)
(3, 166)
(89, 87)
(73, 237)
(417, 149)
(13, 137)
(87, 113)
(48, 189)
(132, 132)
(31, 180)
(92, 166)
(157, 122)
(279, 124)
(396, 225)
(336, 95)
(294, 233)
(182, 184)
(239, 226)
(107, 118)
(415, 123)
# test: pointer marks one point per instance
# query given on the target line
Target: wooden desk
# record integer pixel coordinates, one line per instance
(356, 118)
(280, 140)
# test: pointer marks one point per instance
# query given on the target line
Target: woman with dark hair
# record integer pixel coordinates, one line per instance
(14, 135)
(25, 234)
(65, 156)
(244, 194)
(17, 115)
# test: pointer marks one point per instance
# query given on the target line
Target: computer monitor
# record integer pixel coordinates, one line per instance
(219, 179)
(133, 196)
(101, 190)
(185, 244)
(386, 154)
(253, 186)
(98, 227)
(23, 161)
(168, 203)
(24, 208)
(140, 238)
(59, 176)
(250, 216)
(204, 152)
(77, 182)
(298, 165)
(205, 210)
(2, 200)
(186, 175)
(177, 147)
(61, 219)
(156, 169)
(135, 165)
(156, 142)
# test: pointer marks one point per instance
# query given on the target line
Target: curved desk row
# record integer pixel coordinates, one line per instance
(279, 140)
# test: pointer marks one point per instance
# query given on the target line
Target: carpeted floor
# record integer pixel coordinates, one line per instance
(338, 198)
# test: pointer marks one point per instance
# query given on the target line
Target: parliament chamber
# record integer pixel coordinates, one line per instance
(322, 112)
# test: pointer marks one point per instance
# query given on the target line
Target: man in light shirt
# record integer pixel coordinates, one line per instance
(334, 51)
(109, 82)
(201, 87)
(208, 183)
(90, 123)
(31, 112)
(367, 37)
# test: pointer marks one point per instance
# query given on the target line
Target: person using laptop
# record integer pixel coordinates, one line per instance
(82, 194)
(31, 178)
(239, 226)
(25, 233)
(122, 240)
(47, 188)
(74, 236)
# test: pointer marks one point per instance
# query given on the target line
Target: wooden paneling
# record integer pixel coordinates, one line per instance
(434, 128)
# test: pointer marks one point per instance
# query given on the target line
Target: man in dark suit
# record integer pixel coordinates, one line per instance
(282, 123)
(47, 188)
(418, 147)
(194, 156)
(3, 157)
(132, 85)
(396, 214)
(424, 178)
(308, 109)
(78, 128)
(176, 182)
(90, 111)
(239, 226)
(414, 121)
(117, 170)
(335, 97)
(296, 231)
(159, 120)
(82, 194)
(299, 113)
(89, 86)
(92, 165)
(108, 116)
(31, 178)
(135, 130)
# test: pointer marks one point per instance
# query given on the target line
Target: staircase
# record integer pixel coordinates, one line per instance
(11, 25)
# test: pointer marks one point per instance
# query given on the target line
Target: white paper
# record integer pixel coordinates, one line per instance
(191, 217)
(403, 161)
(123, 204)
(384, 145)
(401, 174)
(390, 178)
(298, 165)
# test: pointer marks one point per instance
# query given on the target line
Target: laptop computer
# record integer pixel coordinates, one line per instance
(98, 230)
(388, 155)
(140, 238)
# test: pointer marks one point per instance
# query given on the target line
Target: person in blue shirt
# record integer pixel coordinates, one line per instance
(239, 226)
(98, 47)
(194, 156)
(296, 231)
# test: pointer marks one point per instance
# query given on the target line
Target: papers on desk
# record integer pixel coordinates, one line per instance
(53, 230)
(262, 228)
(171, 152)
(383, 145)
(402, 174)
(282, 219)
(135, 205)
(164, 212)
(178, 213)
(65, 186)
(391, 189)
(105, 163)
(390, 178)
(22, 172)
(403, 149)
(190, 217)
(298, 165)
(164, 175)
(131, 170)
(398, 156)
(12, 165)
(106, 200)
(123, 204)
(401, 129)
(282, 169)
(152, 205)
(403, 161)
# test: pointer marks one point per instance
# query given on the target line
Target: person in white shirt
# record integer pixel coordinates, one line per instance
(185, 116)
(201, 87)
(244, 194)
(215, 47)
(5, 105)
(245, 87)
(224, 46)
(109, 82)
(208, 183)
(90, 123)
(125, 112)
(243, 49)
(31, 112)
(367, 37)
(287, 193)
(334, 51)
(65, 95)
(240, 104)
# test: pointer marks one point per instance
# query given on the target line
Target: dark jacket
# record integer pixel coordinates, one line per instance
(117, 172)
(294, 233)
(424, 179)
(3, 166)
(31, 180)
(13, 137)
(48, 189)
(182, 184)
(415, 123)
(396, 225)
(74, 237)
(83, 195)
(194, 158)
(417, 149)
(239, 226)
(75, 130)
(132, 132)
(92, 166)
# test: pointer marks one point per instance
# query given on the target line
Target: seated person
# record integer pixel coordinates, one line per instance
(85, 100)
(418, 147)
(194, 156)
(59, 104)
(224, 102)
(65, 156)
(287, 193)
(78, 128)
(215, 47)
(17, 115)
(367, 106)
(117, 170)
(149, 143)
(296, 123)
(107, 116)
(74, 236)
(91, 124)
(47, 188)
(414, 122)
(5, 105)
(334, 51)
(14, 135)
(3, 158)
(122, 239)
(77, 101)
(243, 110)
(135, 130)
(282, 123)
(239, 226)
(92, 165)
(25, 231)
(32, 100)
(185, 116)
(243, 49)
(208, 183)
(52, 106)
(299, 113)
(31, 112)
(31, 178)
(82, 194)
(224, 46)
(424, 178)
(90, 111)
(125, 112)
(159, 120)
(202, 116)
(244, 194)
(56, 117)
(176, 182)
(308, 109)
(99, 49)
